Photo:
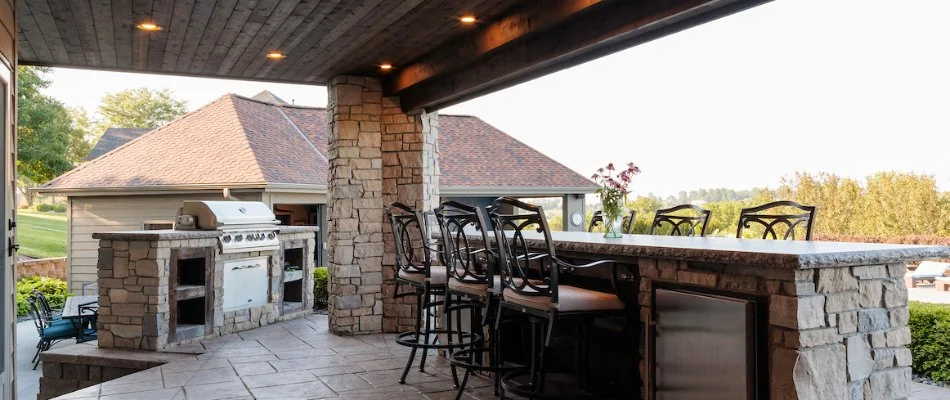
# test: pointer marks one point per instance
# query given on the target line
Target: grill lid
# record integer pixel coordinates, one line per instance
(228, 214)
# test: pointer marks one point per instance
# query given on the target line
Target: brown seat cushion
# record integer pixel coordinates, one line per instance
(570, 298)
(437, 272)
(475, 289)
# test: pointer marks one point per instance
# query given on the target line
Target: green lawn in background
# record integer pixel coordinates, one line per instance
(41, 234)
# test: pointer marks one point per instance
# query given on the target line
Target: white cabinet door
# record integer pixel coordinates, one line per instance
(245, 283)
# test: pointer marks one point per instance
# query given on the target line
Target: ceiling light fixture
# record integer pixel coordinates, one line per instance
(275, 55)
(386, 67)
(468, 19)
(149, 26)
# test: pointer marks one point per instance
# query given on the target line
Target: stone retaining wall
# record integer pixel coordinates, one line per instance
(834, 333)
(48, 267)
(67, 369)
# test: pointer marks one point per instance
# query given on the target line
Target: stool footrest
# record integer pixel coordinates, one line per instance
(463, 359)
(430, 339)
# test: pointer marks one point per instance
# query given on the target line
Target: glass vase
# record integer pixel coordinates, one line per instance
(612, 223)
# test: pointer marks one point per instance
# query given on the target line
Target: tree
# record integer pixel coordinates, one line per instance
(47, 142)
(139, 108)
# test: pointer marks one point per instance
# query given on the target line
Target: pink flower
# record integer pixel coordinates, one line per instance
(610, 167)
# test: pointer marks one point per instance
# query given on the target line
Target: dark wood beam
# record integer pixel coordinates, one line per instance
(548, 41)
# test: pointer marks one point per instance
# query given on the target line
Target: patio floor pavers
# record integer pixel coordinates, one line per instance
(300, 359)
(297, 359)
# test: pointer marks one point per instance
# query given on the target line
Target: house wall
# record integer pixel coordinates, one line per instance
(88, 215)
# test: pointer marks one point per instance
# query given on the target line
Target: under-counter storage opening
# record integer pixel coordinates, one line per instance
(190, 306)
(292, 287)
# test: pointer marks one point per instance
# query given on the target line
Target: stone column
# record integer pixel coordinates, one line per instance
(378, 154)
(410, 176)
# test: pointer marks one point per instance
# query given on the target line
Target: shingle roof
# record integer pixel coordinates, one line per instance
(473, 153)
(112, 138)
(240, 141)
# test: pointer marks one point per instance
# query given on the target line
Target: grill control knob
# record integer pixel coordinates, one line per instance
(226, 239)
(238, 238)
(271, 235)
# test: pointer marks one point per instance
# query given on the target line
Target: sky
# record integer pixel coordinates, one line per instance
(850, 87)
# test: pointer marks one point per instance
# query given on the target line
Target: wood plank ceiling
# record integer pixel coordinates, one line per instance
(230, 38)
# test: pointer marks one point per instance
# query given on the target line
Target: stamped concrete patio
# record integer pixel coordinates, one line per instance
(296, 359)
(300, 359)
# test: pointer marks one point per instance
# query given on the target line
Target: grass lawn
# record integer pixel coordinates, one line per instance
(41, 234)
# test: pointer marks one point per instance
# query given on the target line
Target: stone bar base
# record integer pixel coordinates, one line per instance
(833, 332)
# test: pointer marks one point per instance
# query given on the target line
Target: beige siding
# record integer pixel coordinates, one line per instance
(272, 198)
(88, 215)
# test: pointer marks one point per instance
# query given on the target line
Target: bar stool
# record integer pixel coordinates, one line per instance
(533, 291)
(626, 224)
(472, 280)
(680, 224)
(800, 218)
(596, 218)
(414, 268)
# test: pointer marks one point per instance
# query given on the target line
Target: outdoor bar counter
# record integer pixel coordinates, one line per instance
(743, 318)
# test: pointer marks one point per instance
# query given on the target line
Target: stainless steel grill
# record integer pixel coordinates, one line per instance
(245, 225)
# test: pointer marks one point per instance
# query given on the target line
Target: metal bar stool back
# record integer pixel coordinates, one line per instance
(682, 220)
(626, 224)
(414, 269)
(774, 223)
(530, 272)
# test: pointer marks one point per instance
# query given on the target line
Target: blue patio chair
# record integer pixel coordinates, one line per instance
(49, 334)
(48, 312)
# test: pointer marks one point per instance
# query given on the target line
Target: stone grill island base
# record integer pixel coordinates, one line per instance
(158, 288)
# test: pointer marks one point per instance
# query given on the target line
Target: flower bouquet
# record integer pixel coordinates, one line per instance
(613, 195)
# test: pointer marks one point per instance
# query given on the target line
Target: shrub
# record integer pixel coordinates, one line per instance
(44, 207)
(930, 335)
(54, 290)
(321, 280)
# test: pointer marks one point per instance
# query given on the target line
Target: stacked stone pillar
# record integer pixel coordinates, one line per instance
(378, 154)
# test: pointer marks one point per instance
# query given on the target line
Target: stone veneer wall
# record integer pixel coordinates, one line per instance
(48, 267)
(378, 154)
(834, 333)
(134, 284)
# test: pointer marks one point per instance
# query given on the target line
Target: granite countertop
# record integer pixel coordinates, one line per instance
(171, 234)
(795, 254)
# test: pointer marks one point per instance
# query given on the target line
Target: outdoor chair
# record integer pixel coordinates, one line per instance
(926, 271)
(415, 270)
(531, 289)
(48, 312)
(473, 286)
(778, 226)
(86, 329)
(48, 333)
(683, 220)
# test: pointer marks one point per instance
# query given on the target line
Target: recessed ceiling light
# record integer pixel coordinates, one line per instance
(468, 19)
(149, 26)
(275, 55)
(386, 66)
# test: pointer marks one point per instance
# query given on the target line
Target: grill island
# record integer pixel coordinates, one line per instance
(226, 267)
